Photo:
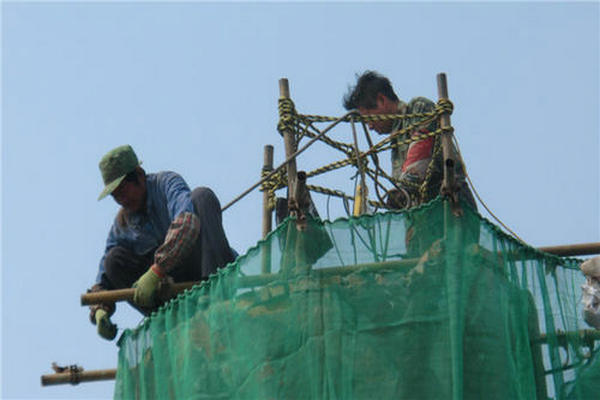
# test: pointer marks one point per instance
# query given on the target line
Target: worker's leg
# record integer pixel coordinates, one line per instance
(212, 250)
(123, 267)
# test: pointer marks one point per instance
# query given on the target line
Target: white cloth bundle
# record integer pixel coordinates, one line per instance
(591, 292)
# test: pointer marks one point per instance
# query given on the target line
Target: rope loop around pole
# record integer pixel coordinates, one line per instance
(445, 106)
(75, 374)
(287, 113)
(277, 181)
(289, 117)
(300, 125)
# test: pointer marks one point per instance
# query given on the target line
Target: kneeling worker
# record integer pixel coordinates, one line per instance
(162, 229)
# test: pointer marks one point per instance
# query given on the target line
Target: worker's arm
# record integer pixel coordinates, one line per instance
(179, 240)
(100, 313)
(184, 228)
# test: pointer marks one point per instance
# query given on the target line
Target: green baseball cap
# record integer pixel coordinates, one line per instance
(115, 165)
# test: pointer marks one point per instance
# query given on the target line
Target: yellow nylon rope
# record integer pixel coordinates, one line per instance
(290, 120)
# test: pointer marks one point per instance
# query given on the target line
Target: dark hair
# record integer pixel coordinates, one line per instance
(368, 86)
(135, 176)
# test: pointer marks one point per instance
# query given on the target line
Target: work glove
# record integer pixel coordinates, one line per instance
(106, 329)
(145, 289)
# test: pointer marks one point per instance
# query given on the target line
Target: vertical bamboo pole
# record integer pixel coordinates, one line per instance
(448, 184)
(452, 235)
(360, 197)
(290, 149)
(267, 212)
(289, 141)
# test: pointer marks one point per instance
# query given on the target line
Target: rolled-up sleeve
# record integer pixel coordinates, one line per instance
(179, 241)
(419, 153)
(184, 227)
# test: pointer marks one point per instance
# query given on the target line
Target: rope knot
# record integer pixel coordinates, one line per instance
(287, 114)
(445, 106)
(277, 181)
(448, 129)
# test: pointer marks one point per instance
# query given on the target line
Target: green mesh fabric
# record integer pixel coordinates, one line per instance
(412, 305)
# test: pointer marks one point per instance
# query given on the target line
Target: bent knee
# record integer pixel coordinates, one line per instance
(204, 197)
(113, 260)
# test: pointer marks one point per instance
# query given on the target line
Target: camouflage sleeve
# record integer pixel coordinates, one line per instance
(419, 154)
(179, 241)
(410, 164)
(420, 105)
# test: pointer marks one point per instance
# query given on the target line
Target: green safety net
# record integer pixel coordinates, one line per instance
(409, 305)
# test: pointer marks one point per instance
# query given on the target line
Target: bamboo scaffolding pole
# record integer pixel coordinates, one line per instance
(111, 296)
(360, 197)
(452, 209)
(290, 143)
(267, 216)
(74, 378)
(570, 250)
(267, 220)
(587, 336)
(448, 184)
(561, 251)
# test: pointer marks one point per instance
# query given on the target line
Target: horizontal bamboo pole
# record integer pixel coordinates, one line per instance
(112, 296)
(569, 250)
(62, 378)
(587, 336)
(261, 280)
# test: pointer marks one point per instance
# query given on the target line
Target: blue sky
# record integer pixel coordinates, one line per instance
(193, 87)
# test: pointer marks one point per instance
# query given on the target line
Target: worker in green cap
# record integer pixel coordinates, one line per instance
(163, 229)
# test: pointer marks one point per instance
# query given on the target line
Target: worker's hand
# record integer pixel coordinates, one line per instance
(106, 329)
(396, 200)
(145, 289)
